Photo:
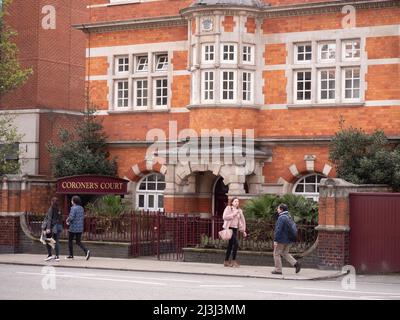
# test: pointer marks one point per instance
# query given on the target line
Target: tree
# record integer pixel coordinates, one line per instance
(82, 152)
(11, 73)
(363, 158)
(9, 146)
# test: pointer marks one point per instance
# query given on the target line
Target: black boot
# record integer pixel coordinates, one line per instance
(297, 267)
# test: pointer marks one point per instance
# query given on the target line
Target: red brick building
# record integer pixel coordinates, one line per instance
(286, 70)
(275, 77)
(53, 97)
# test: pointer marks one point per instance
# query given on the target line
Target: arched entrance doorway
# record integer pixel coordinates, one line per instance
(220, 197)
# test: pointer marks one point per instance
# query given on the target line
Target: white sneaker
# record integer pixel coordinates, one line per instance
(49, 258)
(57, 259)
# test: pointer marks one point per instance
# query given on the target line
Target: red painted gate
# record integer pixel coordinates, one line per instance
(375, 232)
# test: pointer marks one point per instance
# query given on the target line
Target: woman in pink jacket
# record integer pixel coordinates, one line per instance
(233, 219)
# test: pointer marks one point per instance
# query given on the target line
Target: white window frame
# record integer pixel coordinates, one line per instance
(155, 105)
(250, 87)
(329, 43)
(308, 195)
(250, 54)
(135, 94)
(205, 86)
(328, 89)
(353, 50)
(352, 79)
(116, 91)
(295, 87)
(164, 64)
(138, 63)
(147, 193)
(234, 72)
(117, 65)
(296, 52)
(206, 54)
(234, 45)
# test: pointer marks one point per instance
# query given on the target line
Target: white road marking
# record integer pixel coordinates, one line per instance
(129, 277)
(307, 294)
(96, 278)
(220, 286)
(349, 291)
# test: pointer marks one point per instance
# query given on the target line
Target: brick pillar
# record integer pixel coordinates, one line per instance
(9, 233)
(333, 223)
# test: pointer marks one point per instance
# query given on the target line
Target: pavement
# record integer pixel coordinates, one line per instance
(153, 265)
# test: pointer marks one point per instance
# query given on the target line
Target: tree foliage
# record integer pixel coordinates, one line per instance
(363, 158)
(83, 151)
(9, 146)
(11, 73)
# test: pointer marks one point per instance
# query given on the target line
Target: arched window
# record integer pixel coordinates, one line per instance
(150, 192)
(308, 186)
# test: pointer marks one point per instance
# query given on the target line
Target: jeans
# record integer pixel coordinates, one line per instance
(233, 245)
(56, 237)
(71, 237)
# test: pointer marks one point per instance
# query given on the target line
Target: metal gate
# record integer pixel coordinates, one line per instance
(375, 232)
(165, 235)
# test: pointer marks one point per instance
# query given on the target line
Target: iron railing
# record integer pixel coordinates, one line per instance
(165, 235)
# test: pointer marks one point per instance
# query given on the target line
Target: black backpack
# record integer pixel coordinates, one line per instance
(292, 229)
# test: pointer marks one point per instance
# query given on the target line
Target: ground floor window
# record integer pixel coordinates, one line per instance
(150, 192)
(308, 186)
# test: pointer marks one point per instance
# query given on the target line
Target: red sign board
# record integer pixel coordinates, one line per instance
(92, 184)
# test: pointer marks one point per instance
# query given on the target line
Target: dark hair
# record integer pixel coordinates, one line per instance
(55, 204)
(283, 207)
(76, 200)
(233, 199)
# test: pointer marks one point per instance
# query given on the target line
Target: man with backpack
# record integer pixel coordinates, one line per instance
(285, 235)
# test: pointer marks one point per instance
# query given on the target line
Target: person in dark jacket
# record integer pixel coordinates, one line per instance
(281, 241)
(75, 222)
(52, 228)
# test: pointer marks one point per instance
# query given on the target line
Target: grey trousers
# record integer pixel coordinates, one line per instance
(282, 250)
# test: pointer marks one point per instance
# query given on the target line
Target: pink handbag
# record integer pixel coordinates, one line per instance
(225, 234)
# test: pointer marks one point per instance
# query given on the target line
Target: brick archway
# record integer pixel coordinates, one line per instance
(137, 171)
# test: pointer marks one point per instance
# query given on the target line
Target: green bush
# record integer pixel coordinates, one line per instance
(363, 158)
(264, 207)
(109, 205)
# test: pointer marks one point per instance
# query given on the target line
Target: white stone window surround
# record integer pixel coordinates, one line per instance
(208, 53)
(247, 54)
(228, 85)
(354, 50)
(121, 65)
(339, 65)
(121, 94)
(149, 191)
(327, 85)
(208, 86)
(131, 77)
(327, 51)
(302, 49)
(229, 52)
(308, 186)
(160, 93)
(141, 63)
(141, 93)
(355, 84)
(247, 88)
